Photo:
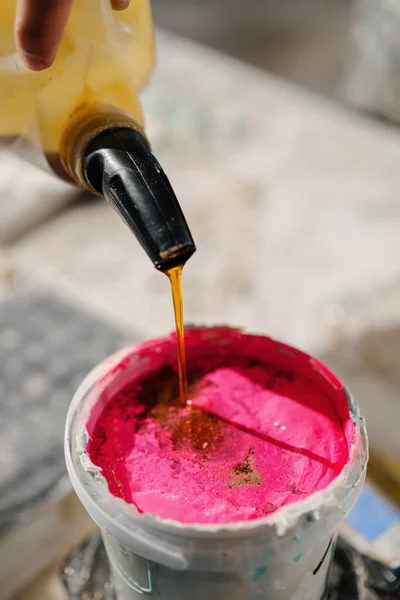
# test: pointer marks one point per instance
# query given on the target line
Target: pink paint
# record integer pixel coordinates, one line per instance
(267, 426)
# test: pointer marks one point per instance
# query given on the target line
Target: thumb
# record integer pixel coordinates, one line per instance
(120, 4)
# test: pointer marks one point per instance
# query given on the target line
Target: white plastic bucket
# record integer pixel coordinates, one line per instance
(284, 556)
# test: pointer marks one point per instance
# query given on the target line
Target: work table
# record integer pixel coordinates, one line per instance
(293, 202)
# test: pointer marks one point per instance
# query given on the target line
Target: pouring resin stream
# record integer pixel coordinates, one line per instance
(175, 277)
(240, 492)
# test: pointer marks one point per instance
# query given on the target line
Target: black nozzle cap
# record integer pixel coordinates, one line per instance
(118, 164)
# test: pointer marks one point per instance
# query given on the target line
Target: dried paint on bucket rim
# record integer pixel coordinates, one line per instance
(116, 372)
(260, 432)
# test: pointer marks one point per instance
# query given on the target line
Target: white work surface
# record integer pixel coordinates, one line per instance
(294, 204)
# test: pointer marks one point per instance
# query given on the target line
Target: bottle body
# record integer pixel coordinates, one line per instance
(104, 59)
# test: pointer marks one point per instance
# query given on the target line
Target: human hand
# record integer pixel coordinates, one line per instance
(39, 27)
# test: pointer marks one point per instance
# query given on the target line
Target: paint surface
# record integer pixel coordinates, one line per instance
(265, 426)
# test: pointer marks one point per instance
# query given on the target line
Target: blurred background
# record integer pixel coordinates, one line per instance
(303, 40)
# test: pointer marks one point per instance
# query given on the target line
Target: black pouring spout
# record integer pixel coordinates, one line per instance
(119, 164)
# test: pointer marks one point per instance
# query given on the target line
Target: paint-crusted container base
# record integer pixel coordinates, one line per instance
(284, 555)
(86, 573)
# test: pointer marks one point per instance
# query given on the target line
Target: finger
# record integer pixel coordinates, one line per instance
(120, 4)
(39, 27)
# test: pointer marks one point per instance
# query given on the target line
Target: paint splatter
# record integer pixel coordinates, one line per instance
(245, 473)
(263, 428)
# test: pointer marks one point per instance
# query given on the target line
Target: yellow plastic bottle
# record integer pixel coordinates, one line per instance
(83, 119)
(104, 59)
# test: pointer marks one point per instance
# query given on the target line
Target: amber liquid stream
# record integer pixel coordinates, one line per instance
(175, 277)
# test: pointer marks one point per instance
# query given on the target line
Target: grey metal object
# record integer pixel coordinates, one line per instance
(85, 574)
(356, 576)
(371, 80)
(47, 346)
